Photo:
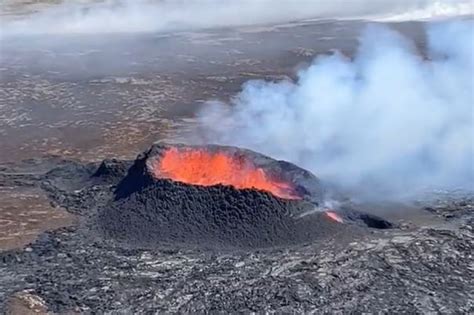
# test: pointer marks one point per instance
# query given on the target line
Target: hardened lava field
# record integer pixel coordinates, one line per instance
(139, 231)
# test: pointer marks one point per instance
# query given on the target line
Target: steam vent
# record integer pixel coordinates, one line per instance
(217, 196)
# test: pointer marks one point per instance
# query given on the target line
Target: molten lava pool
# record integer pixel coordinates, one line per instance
(207, 168)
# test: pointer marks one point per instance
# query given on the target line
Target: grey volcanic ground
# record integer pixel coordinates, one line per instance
(95, 97)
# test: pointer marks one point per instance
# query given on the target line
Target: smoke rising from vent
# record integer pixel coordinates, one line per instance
(389, 121)
(168, 15)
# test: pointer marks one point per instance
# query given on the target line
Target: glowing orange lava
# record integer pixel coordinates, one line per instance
(205, 168)
(334, 216)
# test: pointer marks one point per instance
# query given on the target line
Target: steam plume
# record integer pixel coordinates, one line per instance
(389, 121)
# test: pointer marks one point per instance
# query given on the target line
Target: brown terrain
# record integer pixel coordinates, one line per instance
(26, 213)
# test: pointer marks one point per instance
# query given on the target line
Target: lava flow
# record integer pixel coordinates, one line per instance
(334, 216)
(204, 168)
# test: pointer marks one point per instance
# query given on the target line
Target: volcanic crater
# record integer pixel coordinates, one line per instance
(220, 196)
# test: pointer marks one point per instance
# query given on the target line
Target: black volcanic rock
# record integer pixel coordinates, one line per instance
(347, 268)
(148, 210)
(172, 212)
(112, 170)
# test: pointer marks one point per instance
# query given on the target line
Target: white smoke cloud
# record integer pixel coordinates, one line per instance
(168, 15)
(388, 121)
(429, 11)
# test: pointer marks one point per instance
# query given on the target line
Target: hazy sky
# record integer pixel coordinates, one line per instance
(166, 15)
